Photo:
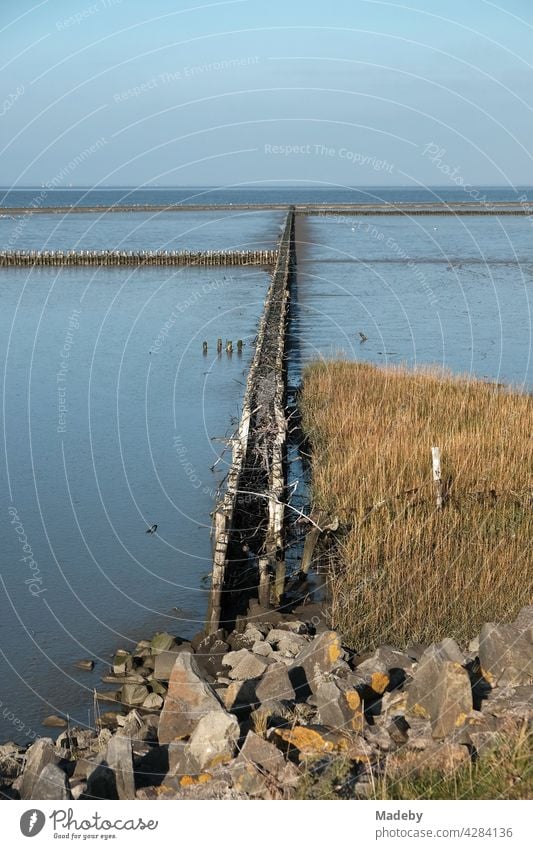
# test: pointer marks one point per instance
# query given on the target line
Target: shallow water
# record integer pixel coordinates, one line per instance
(113, 419)
(452, 292)
(141, 231)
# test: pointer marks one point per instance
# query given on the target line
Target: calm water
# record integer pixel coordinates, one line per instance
(113, 419)
(141, 230)
(123, 431)
(454, 292)
(252, 194)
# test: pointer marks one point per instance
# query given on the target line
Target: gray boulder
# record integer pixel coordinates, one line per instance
(249, 666)
(188, 699)
(214, 739)
(119, 759)
(506, 654)
(162, 642)
(275, 684)
(339, 710)
(52, 784)
(420, 691)
(320, 657)
(134, 694)
(40, 754)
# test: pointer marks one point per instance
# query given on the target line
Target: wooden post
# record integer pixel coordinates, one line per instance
(229, 346)
(204, 346)
(219, 346)
(437, 480)
(239, 347)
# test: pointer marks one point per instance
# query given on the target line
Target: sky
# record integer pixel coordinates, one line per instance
(184, 92)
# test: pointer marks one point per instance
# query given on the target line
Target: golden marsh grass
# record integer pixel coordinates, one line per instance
(404, 571)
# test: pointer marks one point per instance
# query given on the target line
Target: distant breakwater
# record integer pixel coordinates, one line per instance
(16, 259)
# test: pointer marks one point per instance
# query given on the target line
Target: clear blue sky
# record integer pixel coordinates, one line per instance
(351, 92)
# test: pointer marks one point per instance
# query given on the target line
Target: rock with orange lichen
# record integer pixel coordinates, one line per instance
(338, 707)
(320, 657)
(309, 741)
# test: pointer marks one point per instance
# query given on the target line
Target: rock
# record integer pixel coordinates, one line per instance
(214, 739)
(398, 730)
(286, 642)
(263, 649)
(239, 694)
(101, 781)
(180, 760)
(269, 759)
(378, 737)
(54, 721)
(387, 658)
(162, 642)
(524, 621)
(88, 665)
(253, 634)
(416, 650)
(248, 781)
(420, 690)
(339, 709)
(164, 662)
(158, 687)
(371, 678)
(119, 759)
(295, 627)
(129, 678)
(451, 701)
(188, 699)
(275, 684)
(308, 741)
(134, 694)
(419, 733)
(233, 658)
(319, 657)
(52, 784)
(40, 754)
(153, 701)
(505, 655)
(249, 666)
(209, 654)
(122, 662)
(473, 645)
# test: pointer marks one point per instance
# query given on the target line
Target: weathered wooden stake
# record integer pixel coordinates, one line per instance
(229, 346)
(219, 346)
(205, 347)
(239, 346)
(437, 480)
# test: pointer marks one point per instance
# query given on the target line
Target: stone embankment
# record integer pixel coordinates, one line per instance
(250, 713)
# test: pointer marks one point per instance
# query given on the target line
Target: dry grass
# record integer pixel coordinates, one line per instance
(403, 570)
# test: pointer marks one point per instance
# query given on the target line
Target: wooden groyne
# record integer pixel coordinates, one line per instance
(249, 518)
(24, 259)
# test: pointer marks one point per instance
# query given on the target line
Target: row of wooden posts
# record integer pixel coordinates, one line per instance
(119, 258)
(229, 346)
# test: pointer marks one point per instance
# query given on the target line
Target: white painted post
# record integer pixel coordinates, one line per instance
(437, 480)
